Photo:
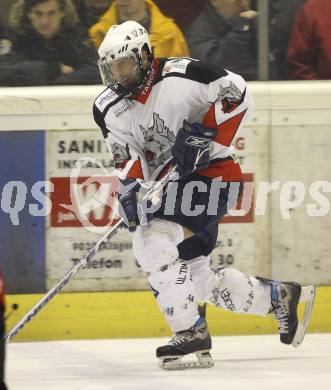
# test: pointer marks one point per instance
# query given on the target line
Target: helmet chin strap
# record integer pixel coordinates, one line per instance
(132, 89)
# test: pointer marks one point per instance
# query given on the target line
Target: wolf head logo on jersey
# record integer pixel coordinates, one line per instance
(230, 97)
(158, 141)
(121, 155)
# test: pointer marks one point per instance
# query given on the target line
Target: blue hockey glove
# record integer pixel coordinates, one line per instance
(127, 197)
(130, 209)
(191, 148)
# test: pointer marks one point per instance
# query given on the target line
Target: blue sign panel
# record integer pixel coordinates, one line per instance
(22, 210)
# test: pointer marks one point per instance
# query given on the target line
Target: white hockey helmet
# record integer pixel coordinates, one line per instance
(122, 45)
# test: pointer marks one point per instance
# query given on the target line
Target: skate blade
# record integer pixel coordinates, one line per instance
(307, 297)
(204, 360)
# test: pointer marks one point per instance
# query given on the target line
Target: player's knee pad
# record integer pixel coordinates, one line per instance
(235, 291)
(155, 245)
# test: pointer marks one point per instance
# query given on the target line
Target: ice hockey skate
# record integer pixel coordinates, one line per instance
(285, 299)
(195, 340)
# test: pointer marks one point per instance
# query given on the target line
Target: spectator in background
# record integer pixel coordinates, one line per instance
(309, 48)
(166, 37)
(47, 30)
(224, 34)
(2, 334)
(183, 11)
(90, 11)
(282, 14)
(14, 69)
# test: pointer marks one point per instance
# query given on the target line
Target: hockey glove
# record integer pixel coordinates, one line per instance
(191, 148)
(130, 209)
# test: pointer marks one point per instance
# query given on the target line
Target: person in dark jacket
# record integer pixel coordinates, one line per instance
(309, 48)
(14, 68)
(224, 34)
(282, 14)
(90, 11)
(183, 12)
(48, 31)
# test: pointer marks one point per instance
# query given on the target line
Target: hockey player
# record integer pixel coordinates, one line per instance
(178, 112)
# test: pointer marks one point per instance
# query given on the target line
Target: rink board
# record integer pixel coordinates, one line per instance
(273, 149)
(103, 315)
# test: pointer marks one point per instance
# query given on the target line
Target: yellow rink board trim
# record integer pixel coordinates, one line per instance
(103, 315)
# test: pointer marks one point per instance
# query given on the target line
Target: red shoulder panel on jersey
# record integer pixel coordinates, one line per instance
(226, 130)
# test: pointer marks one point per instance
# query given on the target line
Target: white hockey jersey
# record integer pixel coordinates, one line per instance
(140, 130)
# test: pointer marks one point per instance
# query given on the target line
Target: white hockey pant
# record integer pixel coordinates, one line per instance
(179, 286)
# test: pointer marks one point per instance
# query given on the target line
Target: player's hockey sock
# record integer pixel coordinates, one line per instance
(235, 291)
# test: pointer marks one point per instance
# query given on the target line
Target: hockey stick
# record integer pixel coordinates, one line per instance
(88, 256)
(61, 283)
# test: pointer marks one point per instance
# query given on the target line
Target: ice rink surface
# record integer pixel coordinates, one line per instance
(241, 363)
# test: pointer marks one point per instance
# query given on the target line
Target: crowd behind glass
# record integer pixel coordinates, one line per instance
(55, 42)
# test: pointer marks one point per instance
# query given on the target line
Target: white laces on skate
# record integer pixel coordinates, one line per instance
(197, 331)
(182, 337)
(281, 315)
(281, 312)
(280, 309)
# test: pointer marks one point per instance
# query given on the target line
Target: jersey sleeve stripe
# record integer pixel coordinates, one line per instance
(198, 71)
(227, 130)
(99, 120)
(210, 118)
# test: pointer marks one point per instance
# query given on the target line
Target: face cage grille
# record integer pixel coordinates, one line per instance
(109, 81)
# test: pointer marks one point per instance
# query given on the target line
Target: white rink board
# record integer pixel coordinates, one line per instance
(114, 266)
(298, 248)
(235, 247)
(65, 147)
(301, 244)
